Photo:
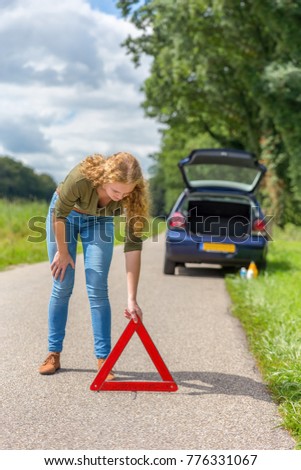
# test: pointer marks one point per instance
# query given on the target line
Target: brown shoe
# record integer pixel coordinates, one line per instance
(51, 364)
(100, 363)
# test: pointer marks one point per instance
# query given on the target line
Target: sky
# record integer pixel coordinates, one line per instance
(67, 87)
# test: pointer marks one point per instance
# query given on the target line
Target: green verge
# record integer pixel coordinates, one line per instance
(16, 218)
(23, 232)
(269, 308)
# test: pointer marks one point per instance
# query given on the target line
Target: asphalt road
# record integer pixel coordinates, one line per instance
(221, 402)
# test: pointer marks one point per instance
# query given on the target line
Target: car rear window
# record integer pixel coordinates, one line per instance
(221, 175)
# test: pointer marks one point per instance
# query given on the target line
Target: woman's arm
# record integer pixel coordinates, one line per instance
(133, 263)
(69, 192)
(62, 257)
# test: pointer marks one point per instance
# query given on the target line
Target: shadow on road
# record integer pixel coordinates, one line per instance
(203, 271)
(212, 383)
(197, 383)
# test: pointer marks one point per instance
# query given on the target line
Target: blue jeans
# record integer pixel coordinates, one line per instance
(97, 236)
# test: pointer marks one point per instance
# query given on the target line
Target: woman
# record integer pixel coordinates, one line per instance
(84, 205)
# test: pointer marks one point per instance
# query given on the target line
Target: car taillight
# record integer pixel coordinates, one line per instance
(258, 226)
(177, 220)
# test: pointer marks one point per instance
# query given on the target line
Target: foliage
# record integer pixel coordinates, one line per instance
(157, 189)
(20, 181)
(175, 146)
(269, 308)
(227, 71)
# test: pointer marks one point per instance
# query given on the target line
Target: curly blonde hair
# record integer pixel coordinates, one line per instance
(122, 167)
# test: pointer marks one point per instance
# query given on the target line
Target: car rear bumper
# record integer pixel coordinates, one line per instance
(182, 248)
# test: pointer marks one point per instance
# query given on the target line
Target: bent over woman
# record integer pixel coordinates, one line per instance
(84, 205)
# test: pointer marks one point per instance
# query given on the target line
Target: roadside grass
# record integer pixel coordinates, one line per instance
(14, 232)
(23, 232)
(269, 308)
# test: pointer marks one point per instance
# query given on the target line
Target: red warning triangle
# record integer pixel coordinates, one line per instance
(167, 384)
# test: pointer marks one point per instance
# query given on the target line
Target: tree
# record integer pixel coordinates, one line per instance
(18, 180)
(225, 70)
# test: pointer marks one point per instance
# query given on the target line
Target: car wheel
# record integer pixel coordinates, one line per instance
(169, 266)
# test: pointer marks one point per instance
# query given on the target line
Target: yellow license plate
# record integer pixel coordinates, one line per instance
(219, 247)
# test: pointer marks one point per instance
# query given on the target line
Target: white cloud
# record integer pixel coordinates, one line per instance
(67, 87)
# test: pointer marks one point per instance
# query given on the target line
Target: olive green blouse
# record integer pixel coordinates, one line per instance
(77, 192)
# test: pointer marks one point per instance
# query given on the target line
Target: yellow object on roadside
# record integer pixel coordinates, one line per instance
(252, 270)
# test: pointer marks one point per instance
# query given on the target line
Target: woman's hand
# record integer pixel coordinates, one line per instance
(133, 311)
(59, 265)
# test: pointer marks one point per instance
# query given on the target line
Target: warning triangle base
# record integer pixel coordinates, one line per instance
(166, 385)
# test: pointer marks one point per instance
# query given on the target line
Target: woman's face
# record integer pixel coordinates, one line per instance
(117, 191)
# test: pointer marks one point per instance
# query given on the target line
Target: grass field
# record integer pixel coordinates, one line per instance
(14, 232)
(269, 308)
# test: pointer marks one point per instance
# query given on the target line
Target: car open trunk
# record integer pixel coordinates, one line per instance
(222, 168)
(214, 217)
